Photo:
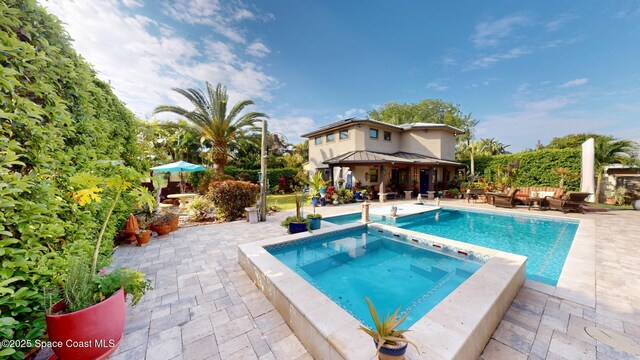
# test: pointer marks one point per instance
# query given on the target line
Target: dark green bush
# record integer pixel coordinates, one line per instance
(56, 119)
(273, 175)
(535, 167)
(200, 180)
(230, 197)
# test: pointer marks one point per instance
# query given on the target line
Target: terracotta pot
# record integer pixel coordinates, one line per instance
(143, 237)
(163, 229)
(131, 228)
(91, 333)
(175, 223)
(611, 201)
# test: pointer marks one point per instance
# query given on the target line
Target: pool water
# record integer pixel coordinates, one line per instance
(546, 242)
(351, 265)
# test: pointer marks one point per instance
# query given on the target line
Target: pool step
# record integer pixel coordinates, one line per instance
(430, 272)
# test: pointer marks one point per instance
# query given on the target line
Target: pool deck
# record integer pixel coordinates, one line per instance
(204, 306)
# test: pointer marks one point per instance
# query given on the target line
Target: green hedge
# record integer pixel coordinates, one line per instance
(535, 167)
(273, 175)
(56, 119)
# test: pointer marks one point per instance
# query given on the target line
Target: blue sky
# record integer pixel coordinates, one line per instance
(526, 71)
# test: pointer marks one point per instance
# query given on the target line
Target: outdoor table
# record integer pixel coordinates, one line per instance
(185, 199)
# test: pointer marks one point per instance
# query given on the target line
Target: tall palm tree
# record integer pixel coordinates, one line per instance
(609, 151)
(211, 119)
(492, 147)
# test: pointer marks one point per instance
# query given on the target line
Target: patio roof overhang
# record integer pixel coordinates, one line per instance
(371, 157)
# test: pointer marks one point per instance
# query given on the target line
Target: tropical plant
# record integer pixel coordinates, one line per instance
(292, 160)
(316, 182)
(302, 149)
(212, 120)
(199, 208)
(609, 152)
(296, 219)
(564, 174)
(385, 332)
(345, 196)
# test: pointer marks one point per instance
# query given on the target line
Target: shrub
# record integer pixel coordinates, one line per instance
(231, 197)
(199, 208)
(58, 119)
(535, 168)
(273, 174)
(345, 196)
(200, 180)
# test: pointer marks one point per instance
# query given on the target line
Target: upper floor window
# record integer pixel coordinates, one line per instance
(330, 137)
(373, 133)
(387, 135)
(344, 134)
(318, 140)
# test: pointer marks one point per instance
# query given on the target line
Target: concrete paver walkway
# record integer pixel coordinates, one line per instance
(204, 306)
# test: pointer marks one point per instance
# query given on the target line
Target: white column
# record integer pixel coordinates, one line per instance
(587, 184)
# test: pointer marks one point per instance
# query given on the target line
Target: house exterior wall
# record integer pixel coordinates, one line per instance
(380, 144)
(327, 150)
(437, 143)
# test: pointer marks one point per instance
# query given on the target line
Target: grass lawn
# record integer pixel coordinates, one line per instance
(284, 202)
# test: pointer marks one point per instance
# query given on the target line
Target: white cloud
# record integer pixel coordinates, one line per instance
(575, 82)
(546, 105)
(258, 49)
(559, 22)
(292, 126)
(488, 60)
(133, 3)
(492, 33)
(449, 60)
(223, 17)
(353, 112)
(143, 59)
(437, 85)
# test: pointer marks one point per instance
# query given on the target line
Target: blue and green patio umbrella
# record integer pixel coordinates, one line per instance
(179, 166)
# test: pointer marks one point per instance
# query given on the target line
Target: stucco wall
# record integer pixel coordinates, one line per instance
(327, 150)
(436, 143)
(379, 144)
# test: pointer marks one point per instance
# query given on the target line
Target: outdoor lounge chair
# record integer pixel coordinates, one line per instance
(571, 201)
(507, 200)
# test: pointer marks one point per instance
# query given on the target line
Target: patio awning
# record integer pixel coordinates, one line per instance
(401, 157)
(179, 166)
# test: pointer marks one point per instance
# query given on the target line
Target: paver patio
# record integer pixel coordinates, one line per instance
(204, 306)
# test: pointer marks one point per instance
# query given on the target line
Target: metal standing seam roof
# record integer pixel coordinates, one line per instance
(402, 127)
(401, 157)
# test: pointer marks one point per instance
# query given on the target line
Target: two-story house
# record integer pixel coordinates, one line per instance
(410, 156)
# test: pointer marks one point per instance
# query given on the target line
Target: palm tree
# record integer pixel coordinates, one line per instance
(609, 151)
(492, 147)
(211, 119)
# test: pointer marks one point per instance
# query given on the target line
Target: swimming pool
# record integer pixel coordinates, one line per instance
(348, 265)
(545, 241)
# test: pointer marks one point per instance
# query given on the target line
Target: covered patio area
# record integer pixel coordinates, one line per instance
(399, 171)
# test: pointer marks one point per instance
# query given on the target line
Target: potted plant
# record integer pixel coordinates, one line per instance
(297, 223)
(316, 187)
(144, 234)
(174, 221)
(610, 194)
(162, 224)
(88, 322)
(390, 342)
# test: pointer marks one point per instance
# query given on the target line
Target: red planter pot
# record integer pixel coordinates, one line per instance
(163, 229)
(91, 333)
(175, 223)
(143, 237)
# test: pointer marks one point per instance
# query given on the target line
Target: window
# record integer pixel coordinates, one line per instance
(373, 173)
(373, 133)
(330, 137)
(387, 135)
(318, 140)
(344, 134)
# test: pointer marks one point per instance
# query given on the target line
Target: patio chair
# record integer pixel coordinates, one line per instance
(507, 200)
(571, 201)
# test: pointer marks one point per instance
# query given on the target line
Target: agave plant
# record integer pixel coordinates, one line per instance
(385, 332)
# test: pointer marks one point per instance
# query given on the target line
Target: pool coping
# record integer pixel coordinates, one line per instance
(577, 281)
(458, 327)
